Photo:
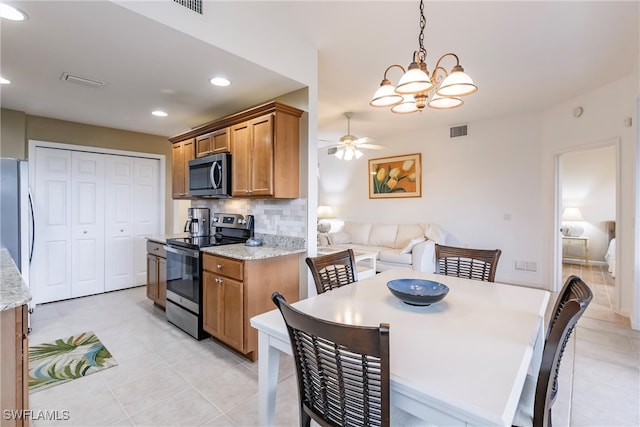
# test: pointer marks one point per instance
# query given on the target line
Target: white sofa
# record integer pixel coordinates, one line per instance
(396, 245)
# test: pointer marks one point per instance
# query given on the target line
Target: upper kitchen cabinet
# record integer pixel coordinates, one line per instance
(183, 151)
(213, 143)
(265, 148)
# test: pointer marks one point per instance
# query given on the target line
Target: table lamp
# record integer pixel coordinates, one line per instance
(573, 217)
(324, 213)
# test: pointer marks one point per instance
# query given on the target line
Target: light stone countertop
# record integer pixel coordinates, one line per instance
(247, 253)
(13, 291)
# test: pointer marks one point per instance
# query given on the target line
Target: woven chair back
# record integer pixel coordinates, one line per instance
(570, 306)
(477, 264)
(342, 370)
(333, 270)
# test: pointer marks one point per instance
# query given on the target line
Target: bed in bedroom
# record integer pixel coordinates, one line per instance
(610, 256)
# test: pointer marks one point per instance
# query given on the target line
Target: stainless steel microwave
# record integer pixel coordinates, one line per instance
(210, 176)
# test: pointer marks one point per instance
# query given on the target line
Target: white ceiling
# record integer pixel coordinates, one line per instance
(524, 56)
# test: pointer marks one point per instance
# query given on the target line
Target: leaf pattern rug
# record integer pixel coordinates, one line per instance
(66, 359)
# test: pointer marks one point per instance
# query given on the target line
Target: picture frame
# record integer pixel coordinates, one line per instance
(395, 176)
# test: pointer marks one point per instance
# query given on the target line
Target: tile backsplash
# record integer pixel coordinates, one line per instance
(284, 217)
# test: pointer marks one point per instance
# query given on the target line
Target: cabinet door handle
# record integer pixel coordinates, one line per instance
(219, 266)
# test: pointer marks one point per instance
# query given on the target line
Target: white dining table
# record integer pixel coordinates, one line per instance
(461, 361)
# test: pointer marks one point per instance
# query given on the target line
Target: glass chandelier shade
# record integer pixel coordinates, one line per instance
(444, 102)
(408, 105)
(457, 83)
(415, 84)
(385, 96)
(413, 81)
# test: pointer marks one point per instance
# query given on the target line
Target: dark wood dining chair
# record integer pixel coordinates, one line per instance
(478, 264)
(333, 270)
(342, 370)
(538, 395)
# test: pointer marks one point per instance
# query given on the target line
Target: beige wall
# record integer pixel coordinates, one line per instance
(18, 128)
(13, 134)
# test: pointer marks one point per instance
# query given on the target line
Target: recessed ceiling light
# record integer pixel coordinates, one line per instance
(11, 13)
(159, 113)
(4, 81)
(219, 81)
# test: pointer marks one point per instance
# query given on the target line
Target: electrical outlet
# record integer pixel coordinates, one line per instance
(521, 265)
(532, 266)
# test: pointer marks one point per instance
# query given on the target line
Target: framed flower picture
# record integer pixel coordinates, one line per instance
(397, 176)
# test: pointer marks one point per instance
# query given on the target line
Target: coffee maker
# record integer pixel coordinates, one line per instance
(197, 224)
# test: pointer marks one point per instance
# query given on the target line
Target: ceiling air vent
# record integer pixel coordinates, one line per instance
(195, 5)
(457, 131)
(85, 81)
(332, 150)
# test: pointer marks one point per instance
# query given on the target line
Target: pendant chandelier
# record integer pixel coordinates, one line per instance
(415, 86)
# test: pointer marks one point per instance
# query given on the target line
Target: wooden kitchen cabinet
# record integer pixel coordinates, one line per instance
(14, 382)
(157, 273)
(234, 291)
(183, 151)
(213, 143)
(264, 143)
(264, 156)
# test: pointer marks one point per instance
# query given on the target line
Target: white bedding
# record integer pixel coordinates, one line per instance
(610, 256)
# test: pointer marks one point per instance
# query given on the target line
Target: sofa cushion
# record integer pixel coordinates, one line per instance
(394, 255)
(409, 247)
(406, 233)
(383, 235)
(361, 248)
(359, 232)
(339, 238)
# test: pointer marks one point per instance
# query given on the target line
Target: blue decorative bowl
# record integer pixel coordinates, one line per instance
(417, 291)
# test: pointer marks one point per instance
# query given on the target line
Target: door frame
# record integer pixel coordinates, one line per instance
(557, 206)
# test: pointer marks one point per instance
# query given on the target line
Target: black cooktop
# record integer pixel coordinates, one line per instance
(204, 241)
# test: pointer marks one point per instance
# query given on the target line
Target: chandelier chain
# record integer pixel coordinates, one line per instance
(422, 53)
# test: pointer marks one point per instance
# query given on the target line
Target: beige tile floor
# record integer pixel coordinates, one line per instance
(165, 377)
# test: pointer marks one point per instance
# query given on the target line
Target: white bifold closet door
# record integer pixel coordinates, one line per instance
(131, 214)
(93, 212)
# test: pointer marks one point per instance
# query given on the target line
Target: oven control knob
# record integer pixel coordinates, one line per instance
(215, 219)
(242, 221)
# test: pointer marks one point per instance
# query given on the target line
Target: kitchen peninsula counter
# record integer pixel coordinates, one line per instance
(13, 291)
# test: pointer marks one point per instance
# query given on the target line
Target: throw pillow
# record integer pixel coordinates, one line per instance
(339, 238)
(407, 249)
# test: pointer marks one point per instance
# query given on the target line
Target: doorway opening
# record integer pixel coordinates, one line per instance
(587, 206)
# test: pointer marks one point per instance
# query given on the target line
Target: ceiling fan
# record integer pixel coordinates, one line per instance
(348, 146)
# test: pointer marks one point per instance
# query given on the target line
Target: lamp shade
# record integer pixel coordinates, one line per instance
(444, 102)
(325, 212)
(408, 105)
(413, 81)
(572, 214)
(385, 96)
(457, 83)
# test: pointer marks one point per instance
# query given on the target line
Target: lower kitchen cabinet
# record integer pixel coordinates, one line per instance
(157, 273)
(234, 291)
(14, 382)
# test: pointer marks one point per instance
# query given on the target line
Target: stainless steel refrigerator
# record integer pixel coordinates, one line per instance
(16, 213)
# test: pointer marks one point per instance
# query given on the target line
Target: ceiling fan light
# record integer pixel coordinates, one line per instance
(408, 105)
(348, 154)
(413, 81)
(457, 83)
(358, 153)
(339, 154)
(385, 96)
(443, 102)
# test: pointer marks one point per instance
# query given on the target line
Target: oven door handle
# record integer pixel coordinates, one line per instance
(185, 252)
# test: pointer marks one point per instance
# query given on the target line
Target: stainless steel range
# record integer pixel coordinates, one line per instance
(184, 268)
